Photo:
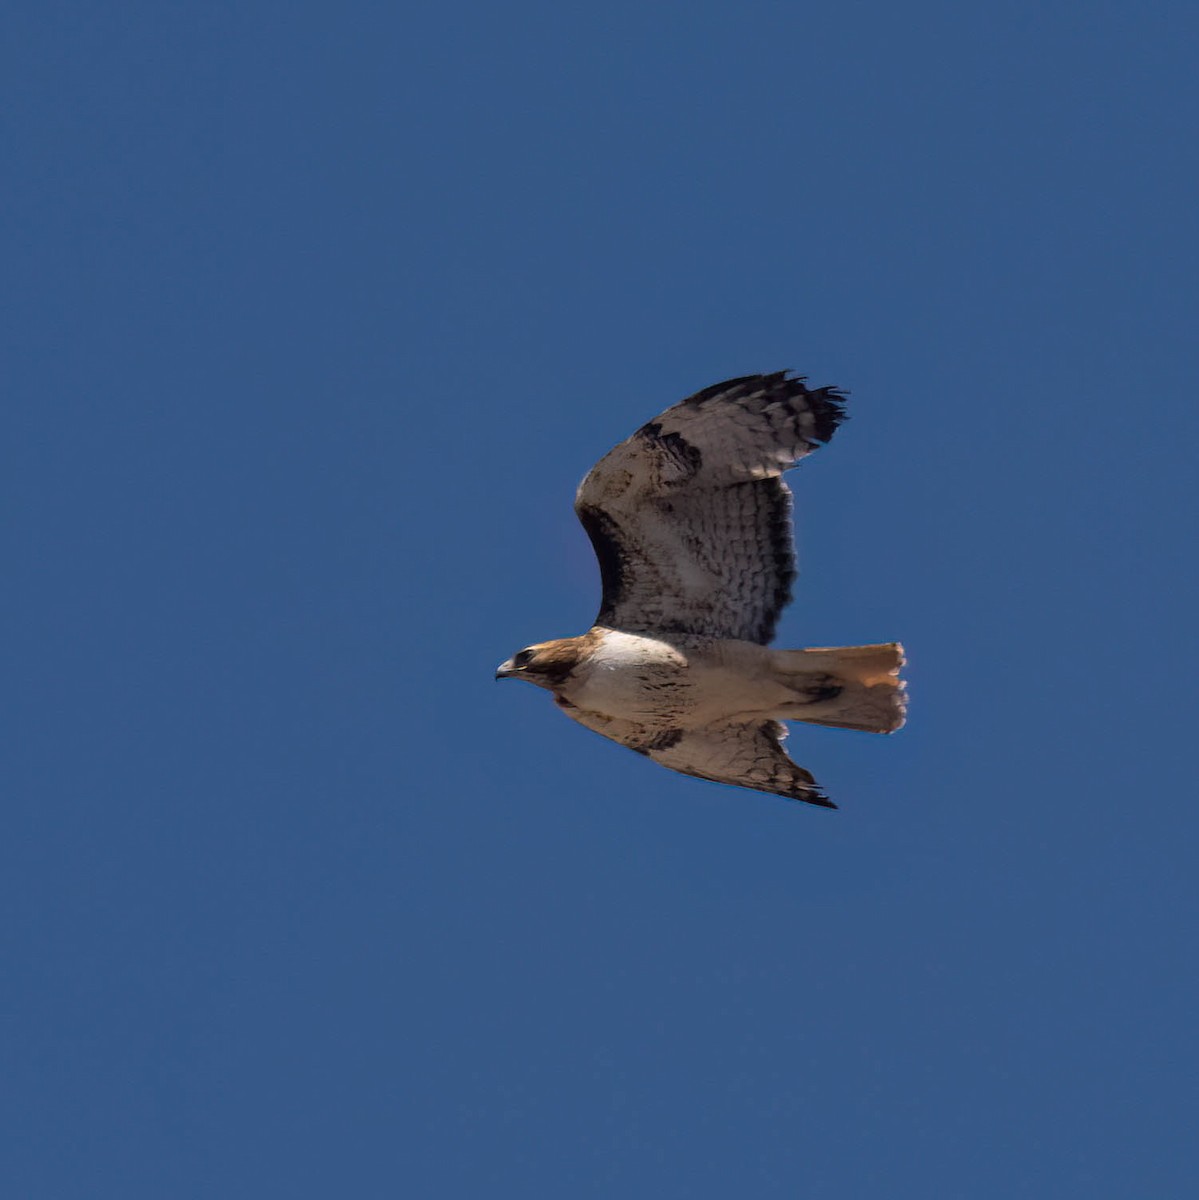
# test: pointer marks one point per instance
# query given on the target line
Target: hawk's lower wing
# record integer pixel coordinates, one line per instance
(748, 756)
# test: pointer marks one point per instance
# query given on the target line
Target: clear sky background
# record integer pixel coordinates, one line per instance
(314, 317)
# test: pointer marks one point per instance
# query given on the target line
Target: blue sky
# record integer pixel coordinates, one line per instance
(315, 316)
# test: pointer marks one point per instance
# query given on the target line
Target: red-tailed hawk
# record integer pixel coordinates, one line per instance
(691, 523)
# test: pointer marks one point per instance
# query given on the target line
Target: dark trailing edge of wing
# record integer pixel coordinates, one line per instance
(602, 531)
(782, 550)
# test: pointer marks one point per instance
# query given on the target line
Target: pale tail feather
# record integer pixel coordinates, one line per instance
(848, 687)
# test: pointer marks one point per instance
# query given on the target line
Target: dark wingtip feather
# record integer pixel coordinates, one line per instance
(828, 408)
(826, 404)
(817, 798)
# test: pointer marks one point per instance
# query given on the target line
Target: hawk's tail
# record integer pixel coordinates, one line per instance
(849, 687)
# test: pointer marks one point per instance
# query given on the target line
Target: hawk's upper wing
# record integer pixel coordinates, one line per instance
(748, 756)
(689, 518)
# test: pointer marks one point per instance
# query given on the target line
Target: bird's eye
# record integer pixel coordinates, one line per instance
(523, 659)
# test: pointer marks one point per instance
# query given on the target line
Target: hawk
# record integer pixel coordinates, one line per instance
(691, 522)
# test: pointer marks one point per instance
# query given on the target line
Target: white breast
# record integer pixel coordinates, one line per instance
(629, 675)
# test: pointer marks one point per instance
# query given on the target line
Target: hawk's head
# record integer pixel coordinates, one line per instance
(548, 664)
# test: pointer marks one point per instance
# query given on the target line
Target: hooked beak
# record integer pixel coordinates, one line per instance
(505, 670)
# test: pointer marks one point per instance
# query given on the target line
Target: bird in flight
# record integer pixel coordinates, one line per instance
(691, 522)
